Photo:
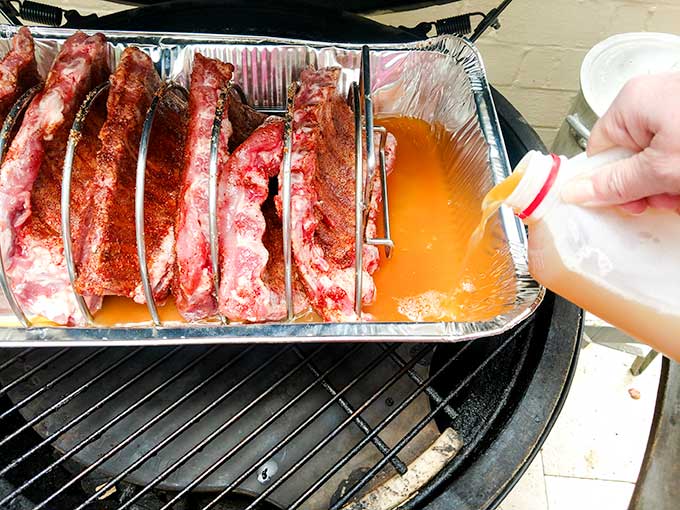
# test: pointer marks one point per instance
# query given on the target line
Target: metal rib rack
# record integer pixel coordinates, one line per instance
(319, 426)
(212, 193)
(364, 179)
(365, 166)
(286, 217)
(164, 89)
(73, 139)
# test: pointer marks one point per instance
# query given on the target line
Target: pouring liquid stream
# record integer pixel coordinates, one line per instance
(491, 203)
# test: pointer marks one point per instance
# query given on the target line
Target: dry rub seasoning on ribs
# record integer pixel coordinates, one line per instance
(110, 265)
(30, 183)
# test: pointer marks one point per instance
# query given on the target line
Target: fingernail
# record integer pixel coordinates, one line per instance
(579, 191)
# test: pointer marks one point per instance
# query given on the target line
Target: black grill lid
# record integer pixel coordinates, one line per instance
(294, 19)
(355, 6)
(310, 19)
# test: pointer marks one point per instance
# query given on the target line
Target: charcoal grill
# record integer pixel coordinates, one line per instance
(285, 426)
(302, 426)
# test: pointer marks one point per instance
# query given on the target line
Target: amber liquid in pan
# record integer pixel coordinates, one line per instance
(490, 205)
(438, 271)
(434, 210)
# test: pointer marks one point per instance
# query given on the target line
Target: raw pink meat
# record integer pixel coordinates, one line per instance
(322, 198)
(251, 276)
(193, 288)
(30, 183)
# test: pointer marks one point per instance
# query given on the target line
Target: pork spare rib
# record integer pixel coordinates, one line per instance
(30, 183)
(322, 198)
(193, 287)
(110, 265)
(18, 71)
(251, 249)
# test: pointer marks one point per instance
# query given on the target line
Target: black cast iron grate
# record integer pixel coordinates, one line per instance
(261, 426)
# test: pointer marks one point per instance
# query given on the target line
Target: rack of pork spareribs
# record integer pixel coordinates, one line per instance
(369, 186)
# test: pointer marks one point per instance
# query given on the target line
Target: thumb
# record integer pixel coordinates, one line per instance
(615, 183)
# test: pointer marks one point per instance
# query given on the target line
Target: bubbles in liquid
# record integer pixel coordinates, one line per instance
(432, 305)
(467, 286)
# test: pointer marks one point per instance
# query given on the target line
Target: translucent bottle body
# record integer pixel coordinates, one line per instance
(623, 268)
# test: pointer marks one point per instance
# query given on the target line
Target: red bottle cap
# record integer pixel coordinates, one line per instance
(545, 189)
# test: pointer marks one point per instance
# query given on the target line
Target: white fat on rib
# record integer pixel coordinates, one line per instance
(159, 272)
(51, 110)
(42, 286)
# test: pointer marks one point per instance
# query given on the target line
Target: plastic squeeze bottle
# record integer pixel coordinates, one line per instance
(623, 268)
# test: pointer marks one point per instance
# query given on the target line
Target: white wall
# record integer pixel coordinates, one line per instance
(534, 59)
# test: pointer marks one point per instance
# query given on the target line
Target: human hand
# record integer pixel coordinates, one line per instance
(645, 118)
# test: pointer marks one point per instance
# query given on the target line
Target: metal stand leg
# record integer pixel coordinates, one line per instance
(642, 362)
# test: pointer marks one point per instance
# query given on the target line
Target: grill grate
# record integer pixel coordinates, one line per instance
(294, 426)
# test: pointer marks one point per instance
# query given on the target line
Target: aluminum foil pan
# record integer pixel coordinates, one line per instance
(440, 80)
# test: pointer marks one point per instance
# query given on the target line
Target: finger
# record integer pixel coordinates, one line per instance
(626, 123)
(635, 207)
(604, 133)
(616, 183)
(664, 201)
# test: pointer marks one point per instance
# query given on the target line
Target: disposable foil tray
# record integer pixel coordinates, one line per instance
(441, 81)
